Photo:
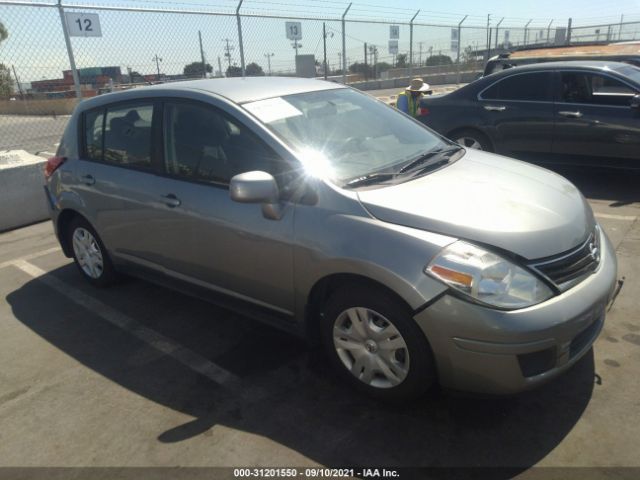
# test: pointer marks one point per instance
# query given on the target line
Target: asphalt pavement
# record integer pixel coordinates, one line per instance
(140, 376)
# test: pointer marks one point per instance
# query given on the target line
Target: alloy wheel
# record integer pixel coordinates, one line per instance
(469, 142)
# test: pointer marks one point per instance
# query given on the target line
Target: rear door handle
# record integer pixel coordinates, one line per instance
(495, 108)
(570, 114)
(88, 179)
(171, 200)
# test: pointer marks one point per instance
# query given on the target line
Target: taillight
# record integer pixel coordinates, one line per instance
(52, 165)
(424, 111)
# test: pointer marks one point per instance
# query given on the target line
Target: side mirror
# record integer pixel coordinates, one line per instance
(635, 102)
(257, 187)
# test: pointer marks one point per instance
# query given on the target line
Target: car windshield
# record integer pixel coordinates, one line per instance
(341, 134)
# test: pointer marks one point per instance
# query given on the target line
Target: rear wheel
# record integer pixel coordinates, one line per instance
(89, 254)
(472, 139)
(374, 343)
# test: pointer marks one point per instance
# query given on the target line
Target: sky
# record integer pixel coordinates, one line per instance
(36, 48)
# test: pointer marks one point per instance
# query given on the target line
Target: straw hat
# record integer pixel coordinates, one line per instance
(418, 85)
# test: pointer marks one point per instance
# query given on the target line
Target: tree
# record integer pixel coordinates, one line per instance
(363, 68)
(401, 60)
(383, 67)
(234, 71)
(254, 70)
(194, 69)
(6, 82)
(434, 60)
(3, 33)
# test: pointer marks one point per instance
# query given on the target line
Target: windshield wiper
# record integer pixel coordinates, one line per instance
(416, 162)
(370, 179)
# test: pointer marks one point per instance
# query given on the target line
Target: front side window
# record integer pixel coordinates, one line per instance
(523, 87)
(594, 89)
(127, 135)
(341, 134)
(204, 144)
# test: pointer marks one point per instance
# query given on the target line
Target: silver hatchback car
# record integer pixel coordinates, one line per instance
(323, 211)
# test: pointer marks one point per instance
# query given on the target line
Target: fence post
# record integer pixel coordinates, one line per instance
(72, 60)
(568, 40)
(411, 43)
(240, 38)
(344, 48)
(204, 65)
(459, 42)
(526, 33)
(497, 30)
(549, 32)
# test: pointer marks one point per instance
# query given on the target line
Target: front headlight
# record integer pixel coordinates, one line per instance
(487, 277)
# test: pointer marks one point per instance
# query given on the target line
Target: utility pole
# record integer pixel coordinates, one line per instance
(13, 67)
(227, 51)
(568, 40)
(219, 66)
(204, 62)
(157, 59)
(269, 55)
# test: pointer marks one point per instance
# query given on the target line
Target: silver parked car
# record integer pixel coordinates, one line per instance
(322, 211)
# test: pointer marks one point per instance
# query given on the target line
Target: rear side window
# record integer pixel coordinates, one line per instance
(93, 133)
(127, 135)
(533, 87)
(594, 89)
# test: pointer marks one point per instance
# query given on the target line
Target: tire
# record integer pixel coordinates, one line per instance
(395, 372)
(472, 139)
(89, 254)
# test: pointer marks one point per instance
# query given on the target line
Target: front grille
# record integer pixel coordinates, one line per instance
(573, 265)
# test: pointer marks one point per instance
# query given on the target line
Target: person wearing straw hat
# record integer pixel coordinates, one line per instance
(409, 100)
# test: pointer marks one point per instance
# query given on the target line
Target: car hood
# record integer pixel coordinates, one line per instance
(493, 200)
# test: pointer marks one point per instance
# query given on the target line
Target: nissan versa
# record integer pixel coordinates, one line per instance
(322, 211)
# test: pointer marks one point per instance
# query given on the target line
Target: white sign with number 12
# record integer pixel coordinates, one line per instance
(83, 24)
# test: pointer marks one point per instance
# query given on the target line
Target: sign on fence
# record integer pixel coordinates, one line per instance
(393, 47)
(394, 32)
(294, 30)
(83, 24)
(454, 39)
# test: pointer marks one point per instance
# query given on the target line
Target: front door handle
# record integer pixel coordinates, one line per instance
(570, 114)
(171, 200)
(495, 108)
(88, 179)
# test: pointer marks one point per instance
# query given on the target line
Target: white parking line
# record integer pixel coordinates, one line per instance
(610, 216)
(158, 341)
(31, 256)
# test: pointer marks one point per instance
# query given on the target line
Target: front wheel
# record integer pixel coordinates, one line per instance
(374, 343)
(472, 139)
(89, 254)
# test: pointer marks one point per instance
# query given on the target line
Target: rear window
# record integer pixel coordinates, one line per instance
(119, 135)
(523, 87)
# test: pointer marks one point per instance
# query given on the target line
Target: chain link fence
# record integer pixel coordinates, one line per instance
(44, 73)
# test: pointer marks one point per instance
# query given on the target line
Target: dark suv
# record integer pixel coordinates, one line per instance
(585, 113)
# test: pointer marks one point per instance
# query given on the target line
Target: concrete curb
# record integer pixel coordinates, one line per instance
(21, 189)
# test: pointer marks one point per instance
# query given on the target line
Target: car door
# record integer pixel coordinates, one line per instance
(518, 109)
(209, 239)
(116, 178)
(595, 124)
